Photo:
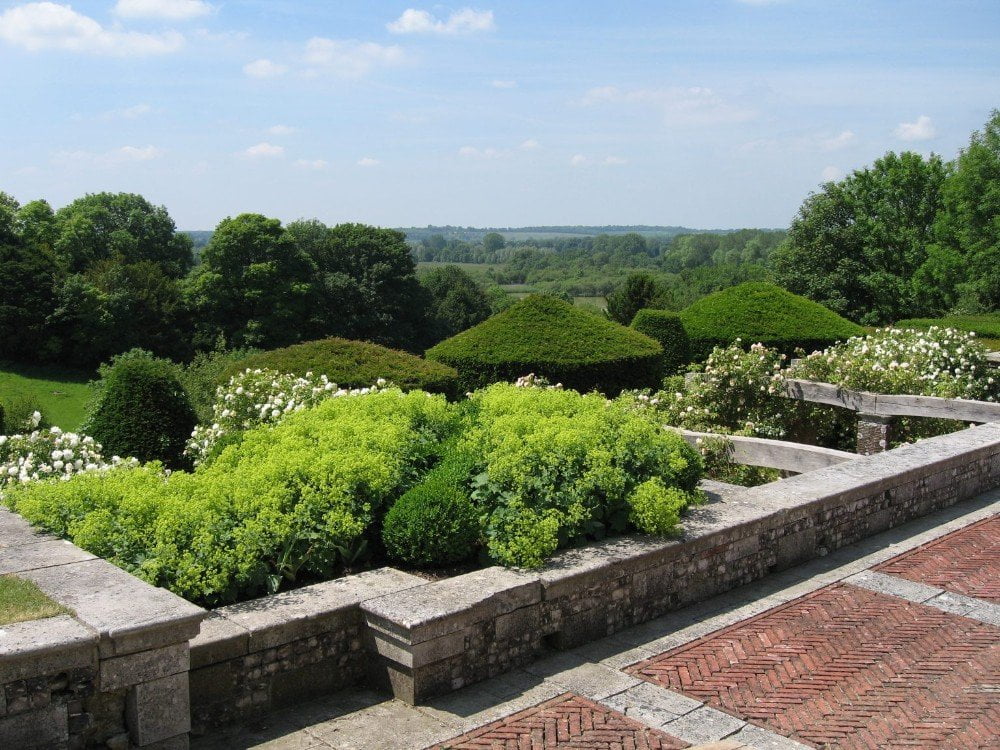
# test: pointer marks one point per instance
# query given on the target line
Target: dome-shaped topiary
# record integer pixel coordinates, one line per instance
(141, 410)
(666, 327)
(353, 364)
(434, 523)
(556, 340)
(761, 312)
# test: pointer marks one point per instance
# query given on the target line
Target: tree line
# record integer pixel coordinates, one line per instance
(110, 272)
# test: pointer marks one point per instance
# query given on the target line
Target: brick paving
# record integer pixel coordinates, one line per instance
(567, 721)
(964, 562)
(846, 667)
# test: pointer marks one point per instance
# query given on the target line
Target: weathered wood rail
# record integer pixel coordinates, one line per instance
(774, 454)
(889, 405)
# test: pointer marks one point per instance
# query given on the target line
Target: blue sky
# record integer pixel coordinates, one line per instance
(708, 113)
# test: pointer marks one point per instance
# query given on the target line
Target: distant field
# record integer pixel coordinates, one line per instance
(61, 394)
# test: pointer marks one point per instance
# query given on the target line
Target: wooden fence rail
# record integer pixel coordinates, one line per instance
(774, 454)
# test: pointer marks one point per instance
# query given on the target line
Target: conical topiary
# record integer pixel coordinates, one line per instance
(549, 337)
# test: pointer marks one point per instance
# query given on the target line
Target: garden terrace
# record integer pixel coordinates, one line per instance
(126, 647)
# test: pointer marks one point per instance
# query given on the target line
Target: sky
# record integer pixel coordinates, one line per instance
(701, 113)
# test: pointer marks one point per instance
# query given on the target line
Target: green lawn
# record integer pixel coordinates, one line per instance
(22, 600)
(61, 394)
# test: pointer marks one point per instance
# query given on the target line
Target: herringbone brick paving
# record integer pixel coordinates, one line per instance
(846, 667)
(566, 722)
(964, 562)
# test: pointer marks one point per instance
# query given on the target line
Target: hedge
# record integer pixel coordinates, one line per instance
(665, 327)
(353, 364)
(553, 339)
(761, 312)
(987, 326)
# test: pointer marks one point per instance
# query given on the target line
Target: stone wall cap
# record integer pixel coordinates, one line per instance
(444, 606)
(42, 553)
(219, 639)
(23, 645)
(129, 614)
(306, 611)
(15, 531)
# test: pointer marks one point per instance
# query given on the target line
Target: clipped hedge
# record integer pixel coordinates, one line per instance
(553, 339)
(353, 364)
(665, 327)
(760, 312)
(986, 326)
(141, 410)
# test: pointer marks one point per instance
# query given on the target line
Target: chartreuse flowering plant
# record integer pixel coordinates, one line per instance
(257, 397)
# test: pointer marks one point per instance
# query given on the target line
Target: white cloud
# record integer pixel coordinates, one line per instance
(693, 105)
(529, 145)
(842, 140)
(831, 174)
(281, 130)
(40, 26)
(350, 58)
(614, 161)
(264, 149)
(367, 161)
(122, 155)
(504, 84)
(315, 164)
(171, 10)
(464, 21)
(471, 152)
(579, 160)
(264, 68)
(920, 130)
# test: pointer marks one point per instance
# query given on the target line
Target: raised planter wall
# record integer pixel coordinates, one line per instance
(116, 674)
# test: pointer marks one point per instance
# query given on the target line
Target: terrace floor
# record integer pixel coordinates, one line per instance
(893, 642)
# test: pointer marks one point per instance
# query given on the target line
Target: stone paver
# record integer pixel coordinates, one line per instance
(849, 668)
(364, 720)
(964, 562)
(566, 721)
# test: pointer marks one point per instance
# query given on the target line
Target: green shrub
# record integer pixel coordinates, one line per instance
(292, 500)
(550, 467)
(656, 508)
(665, 327)
(141, 410)
(759, 312)
(18, 414)
(434, 523)
(353, 364)
(3, 424)
(552, 338)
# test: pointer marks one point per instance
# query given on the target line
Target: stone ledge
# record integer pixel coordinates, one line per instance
(442, 607)
(15, 531)
(129, 615)
(41, 647)
(292, 615)
(42, 553)
(219, 640)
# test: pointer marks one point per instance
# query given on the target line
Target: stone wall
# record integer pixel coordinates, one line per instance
(446, 634)
(112, 674)
(263, 654)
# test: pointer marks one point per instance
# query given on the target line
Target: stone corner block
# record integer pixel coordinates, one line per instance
(123, 671)
(158, 710)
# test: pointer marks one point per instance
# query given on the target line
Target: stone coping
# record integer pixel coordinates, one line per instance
(52, 644)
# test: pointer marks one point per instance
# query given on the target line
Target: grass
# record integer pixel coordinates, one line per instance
(22, 600)
(61, 394)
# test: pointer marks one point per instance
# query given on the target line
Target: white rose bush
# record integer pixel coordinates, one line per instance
(51, 454)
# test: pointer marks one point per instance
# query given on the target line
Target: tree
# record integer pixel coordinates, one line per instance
(857, 245)
(639, 291)
(124, 226)
(364, 284)
(968, 228)
(254, 286)
(27, 273)
(457, 302)
(493, 241)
